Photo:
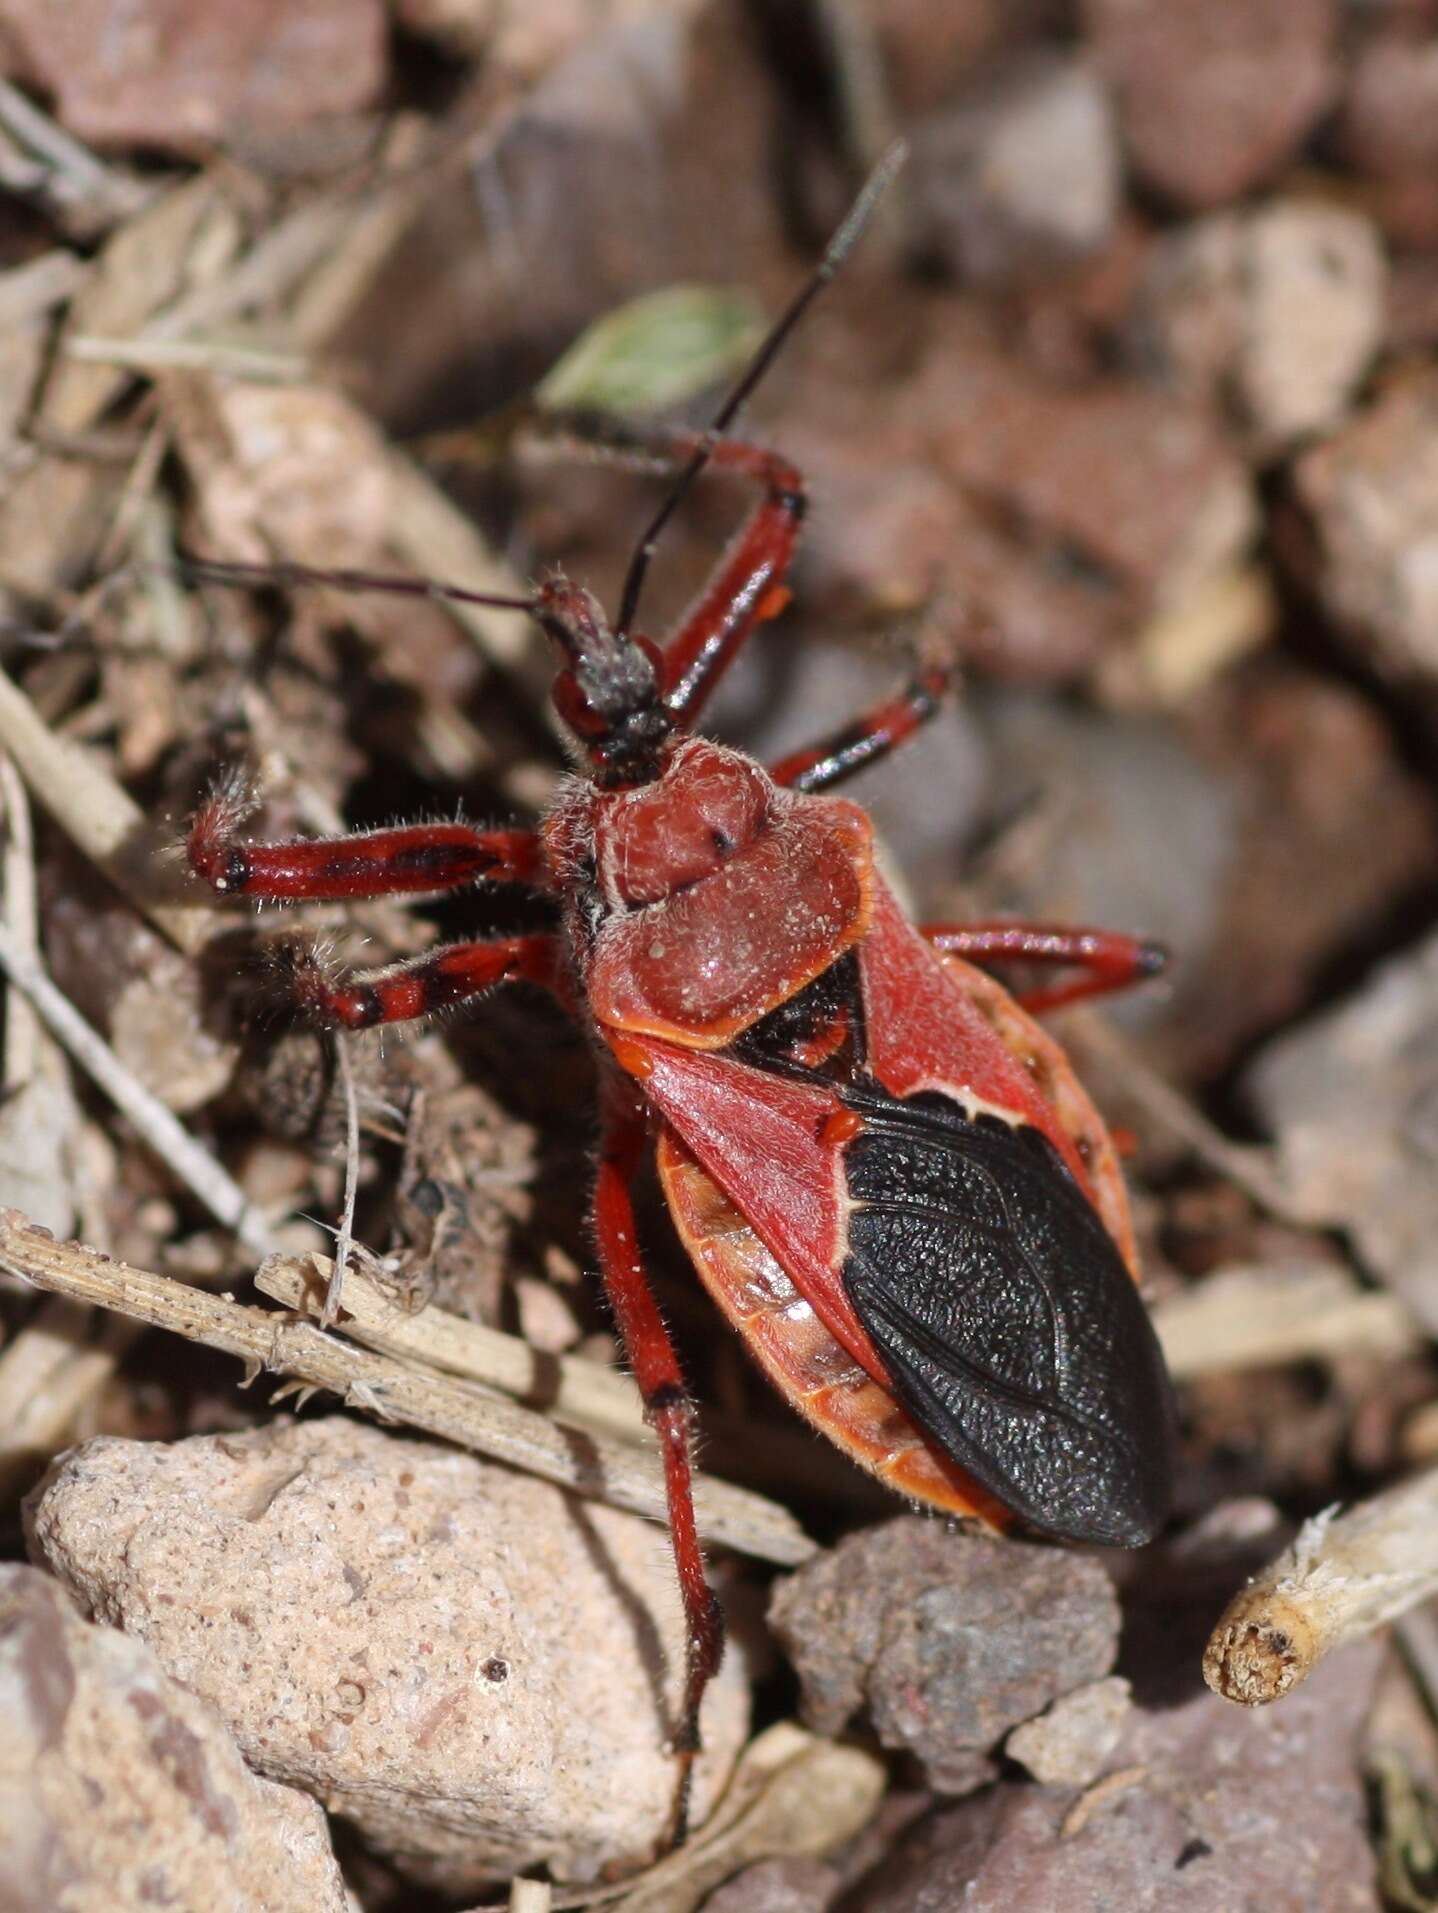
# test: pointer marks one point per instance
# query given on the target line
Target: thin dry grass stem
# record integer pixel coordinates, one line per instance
(1344, 1576)
(79, 179)
(188, 1162)
(325, 296)
(264, 276)
(1244, 1317)
(23, 1030)
(619, 1473)
(437, 540)
(135, 503)
(344, 1235)
(97, 815)
(225, 358)
(55, 1364)
(570, 1388)
(28, 290)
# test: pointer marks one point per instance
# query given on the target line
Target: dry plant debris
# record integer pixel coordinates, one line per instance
(1128, 410)
(1344, 1577)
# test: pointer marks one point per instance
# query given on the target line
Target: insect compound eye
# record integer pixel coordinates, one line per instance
(575, 709)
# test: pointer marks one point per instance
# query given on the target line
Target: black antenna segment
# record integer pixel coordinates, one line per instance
(221, 572)
(835, 253)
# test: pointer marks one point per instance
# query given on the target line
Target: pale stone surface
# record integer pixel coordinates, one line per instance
(1279, 313)
(476, 1668)
(1371, 493)
(1068, 1746)
(1021, 174)
(120, 1790)
(1351, 1098)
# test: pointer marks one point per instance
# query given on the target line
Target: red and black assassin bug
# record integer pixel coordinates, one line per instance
(885, 1172)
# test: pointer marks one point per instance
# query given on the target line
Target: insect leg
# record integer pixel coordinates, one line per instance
(1106, 959)
(868, 738)
(747, 586)
(669, 1412)
(427, 983)
(374, 863)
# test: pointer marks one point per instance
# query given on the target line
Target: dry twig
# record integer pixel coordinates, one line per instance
(570, 1388)
(1343, 1577)
(619, 1473)
(1244, 1317)
(97, 815)
(1251, 1169)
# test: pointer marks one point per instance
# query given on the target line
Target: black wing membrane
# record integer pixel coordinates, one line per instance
(1004, 1314)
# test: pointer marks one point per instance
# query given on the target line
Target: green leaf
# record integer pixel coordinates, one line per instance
(656, 351)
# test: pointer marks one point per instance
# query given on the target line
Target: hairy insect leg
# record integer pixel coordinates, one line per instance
(1106, 960)
(427, 983)
(374, 863)
(866, 739)
(669, 1412)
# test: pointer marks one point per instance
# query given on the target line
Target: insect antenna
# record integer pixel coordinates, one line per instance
(223, 572)
(769, 348)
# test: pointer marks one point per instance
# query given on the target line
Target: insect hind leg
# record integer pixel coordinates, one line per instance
(670, 1413)
(1106, 960)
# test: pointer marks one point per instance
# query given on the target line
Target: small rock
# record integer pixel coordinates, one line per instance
(121, 1789)
(945, 1641)
(1214, 1809)
(929, 52)
(1371, 496)
(792, 1885)
(1352, 1100)
(1137, 485)
(185, 75)
(1214, 98)
(1389, 131)
(477, 1669)
(1303, 860)
(1069, 1745)
(1278, 312)
(1020, 175)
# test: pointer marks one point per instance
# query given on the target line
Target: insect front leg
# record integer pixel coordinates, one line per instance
(416, 858)
(748, 585)
(669, 1411)
(426, 983)
(1106, 960)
